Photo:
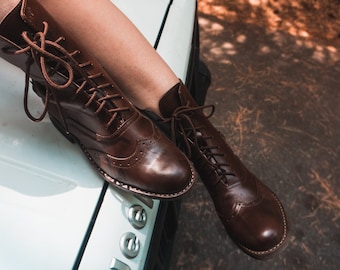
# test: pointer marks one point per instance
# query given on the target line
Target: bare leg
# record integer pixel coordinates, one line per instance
(251, 213)
(6, 6)
(118, 45)
(123, 146)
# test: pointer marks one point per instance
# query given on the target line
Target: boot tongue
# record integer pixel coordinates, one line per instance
(170, 101)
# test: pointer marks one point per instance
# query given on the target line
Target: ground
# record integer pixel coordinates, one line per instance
(275, 69)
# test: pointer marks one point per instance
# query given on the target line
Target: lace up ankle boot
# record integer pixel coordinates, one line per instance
(89, 109)
(251, 213)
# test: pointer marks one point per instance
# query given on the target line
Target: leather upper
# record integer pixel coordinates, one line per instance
(88, 108)
(251, 213)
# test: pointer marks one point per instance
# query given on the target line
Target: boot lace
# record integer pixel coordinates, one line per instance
(190, 135)
(44, 51)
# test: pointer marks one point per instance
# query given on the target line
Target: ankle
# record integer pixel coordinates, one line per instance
(147, 106)
(149, 100)
(6, 7)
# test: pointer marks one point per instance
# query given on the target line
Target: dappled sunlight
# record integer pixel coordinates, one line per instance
(295, 16)
(265, 49)
(262, 55)
(275, 76)
(225, 48)
(241, 38)
(210, 26)
(300, 20)
(322, 53)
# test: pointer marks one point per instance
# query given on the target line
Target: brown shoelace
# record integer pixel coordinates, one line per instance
(40, 51)
(191, 135)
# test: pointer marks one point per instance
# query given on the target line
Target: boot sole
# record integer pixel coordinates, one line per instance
(117, 183)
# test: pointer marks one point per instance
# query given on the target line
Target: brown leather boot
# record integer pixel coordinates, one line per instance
(89, 109)
(250, 212)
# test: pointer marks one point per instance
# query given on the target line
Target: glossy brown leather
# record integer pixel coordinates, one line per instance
(251, 213)
(88, 108)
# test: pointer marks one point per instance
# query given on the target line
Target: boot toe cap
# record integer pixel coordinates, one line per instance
(262, 230)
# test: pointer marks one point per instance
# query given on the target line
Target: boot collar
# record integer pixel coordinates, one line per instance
(177, 96)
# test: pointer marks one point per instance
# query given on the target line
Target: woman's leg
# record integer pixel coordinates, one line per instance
(6, 6)
(118, 45)
(124, 147)
(250, 211)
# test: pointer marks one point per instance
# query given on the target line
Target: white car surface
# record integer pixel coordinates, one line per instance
(56, 211)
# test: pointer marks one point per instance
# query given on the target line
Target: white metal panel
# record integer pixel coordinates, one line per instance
(104, 245)
(147, 15)
(175, 44)
(48, 191)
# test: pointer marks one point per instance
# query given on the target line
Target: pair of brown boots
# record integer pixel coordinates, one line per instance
(126, 147)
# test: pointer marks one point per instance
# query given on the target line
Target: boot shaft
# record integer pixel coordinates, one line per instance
(85, 105)
(31, 40)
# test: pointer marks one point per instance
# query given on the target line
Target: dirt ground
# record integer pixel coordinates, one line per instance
(275, 68)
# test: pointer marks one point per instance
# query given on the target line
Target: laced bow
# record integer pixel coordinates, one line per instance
(184, 129)
(183, 125)
(37, 49)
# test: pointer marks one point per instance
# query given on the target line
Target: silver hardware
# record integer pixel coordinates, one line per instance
(147, 201)
(137, 216)
(129, 245)
(118, 265)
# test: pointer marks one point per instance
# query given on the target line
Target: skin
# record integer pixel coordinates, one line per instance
(6, 6)
(141, 73)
